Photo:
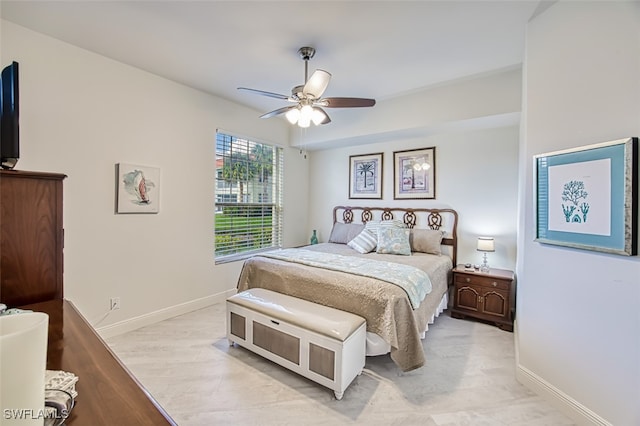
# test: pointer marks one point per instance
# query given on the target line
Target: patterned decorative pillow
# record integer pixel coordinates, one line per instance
(393, 240)
(342, 233)
(426, 241)
(364, 242)
(374, 225)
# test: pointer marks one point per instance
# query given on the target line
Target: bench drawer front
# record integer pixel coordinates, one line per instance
(238, 325)
(322, 361)
(278, 343)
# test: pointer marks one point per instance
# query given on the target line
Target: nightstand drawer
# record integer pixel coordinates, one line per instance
(483, 281)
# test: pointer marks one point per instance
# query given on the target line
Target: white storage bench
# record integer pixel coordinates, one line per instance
(320, 343)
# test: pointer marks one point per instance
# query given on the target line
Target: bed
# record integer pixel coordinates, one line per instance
(395, 323)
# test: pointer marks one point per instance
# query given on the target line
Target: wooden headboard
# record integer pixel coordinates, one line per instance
(439, 219)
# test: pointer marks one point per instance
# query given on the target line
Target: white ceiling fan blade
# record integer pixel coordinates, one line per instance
(317, 83)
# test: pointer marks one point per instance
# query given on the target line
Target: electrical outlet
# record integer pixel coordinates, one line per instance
(115, 303)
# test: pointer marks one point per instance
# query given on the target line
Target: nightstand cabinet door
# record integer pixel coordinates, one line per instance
(485, 296)
(495, 302)
(467, 298)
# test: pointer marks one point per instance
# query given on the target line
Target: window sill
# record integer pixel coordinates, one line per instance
(242, 256)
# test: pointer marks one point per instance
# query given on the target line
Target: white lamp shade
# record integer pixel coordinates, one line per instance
(306, 113)
(318, 116)
(304, 121)
(292, 115)
(486, 244)
(23, 362)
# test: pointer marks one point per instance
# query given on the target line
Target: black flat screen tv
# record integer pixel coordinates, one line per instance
(9, 122)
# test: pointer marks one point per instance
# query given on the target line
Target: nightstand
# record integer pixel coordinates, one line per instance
(487, 296)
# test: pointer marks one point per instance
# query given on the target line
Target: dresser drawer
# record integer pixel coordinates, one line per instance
(483, 281)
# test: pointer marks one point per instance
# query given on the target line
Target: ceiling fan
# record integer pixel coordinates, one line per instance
(308, 99)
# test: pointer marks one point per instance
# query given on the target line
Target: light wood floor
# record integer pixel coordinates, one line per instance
(186, 363)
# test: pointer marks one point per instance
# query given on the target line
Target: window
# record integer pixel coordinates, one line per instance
(248, 213)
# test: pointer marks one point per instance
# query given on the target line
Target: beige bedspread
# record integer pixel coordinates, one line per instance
(384, 306)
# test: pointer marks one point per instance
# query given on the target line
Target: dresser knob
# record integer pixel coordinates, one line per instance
(468, 280)
(495, 284)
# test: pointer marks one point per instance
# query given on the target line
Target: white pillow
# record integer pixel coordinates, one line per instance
(364, 242)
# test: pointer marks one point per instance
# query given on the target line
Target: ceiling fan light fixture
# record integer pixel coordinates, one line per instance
(293, 115)
(304, 121)
(306, 112)
(318, 116)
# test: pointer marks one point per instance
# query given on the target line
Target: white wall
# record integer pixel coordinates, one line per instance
(476, 174)
(472, 122)
(578, 324)
(82, 113)
(490, 98)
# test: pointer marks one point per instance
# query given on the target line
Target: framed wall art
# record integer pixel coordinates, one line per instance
(365, 176)
(138, 189)
(587, 197)
(414, 174)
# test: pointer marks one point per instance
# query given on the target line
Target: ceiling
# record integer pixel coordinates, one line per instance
(374, 49)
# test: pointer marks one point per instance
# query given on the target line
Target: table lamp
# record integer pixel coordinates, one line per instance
(485, 244)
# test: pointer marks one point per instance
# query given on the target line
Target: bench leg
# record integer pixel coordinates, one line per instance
(339, 395)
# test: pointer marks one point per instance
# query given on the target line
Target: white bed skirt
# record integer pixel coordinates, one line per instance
(377, 346)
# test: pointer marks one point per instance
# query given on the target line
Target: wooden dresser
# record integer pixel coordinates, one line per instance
(107, 393)
(487, 296)
(31, 277)
(31, 237)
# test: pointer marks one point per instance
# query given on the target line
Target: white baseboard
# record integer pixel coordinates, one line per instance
(162, 314)
(563, 402)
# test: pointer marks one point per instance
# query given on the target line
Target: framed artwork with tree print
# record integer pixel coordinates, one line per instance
(414, 174)
(365, 176)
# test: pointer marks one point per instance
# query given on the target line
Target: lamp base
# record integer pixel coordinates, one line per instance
(485, 266)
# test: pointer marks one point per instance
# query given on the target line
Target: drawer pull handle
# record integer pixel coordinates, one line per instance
(275, 322)
(468, 280)
(495, 284)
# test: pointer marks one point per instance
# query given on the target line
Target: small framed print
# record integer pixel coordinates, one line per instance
(365, 176)
(414, 174)
(138, 189)
(587, 197)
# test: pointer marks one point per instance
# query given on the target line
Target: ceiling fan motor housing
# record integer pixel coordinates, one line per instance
(306, 52)
(297, 92)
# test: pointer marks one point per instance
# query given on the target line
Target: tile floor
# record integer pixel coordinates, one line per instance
(186, 363)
